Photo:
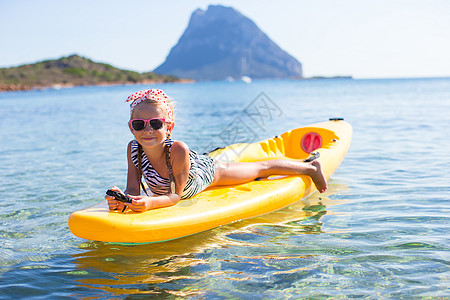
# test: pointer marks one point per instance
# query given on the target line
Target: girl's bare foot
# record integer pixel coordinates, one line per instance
(317, 176)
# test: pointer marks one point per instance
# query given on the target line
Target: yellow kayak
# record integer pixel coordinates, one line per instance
(223, 205)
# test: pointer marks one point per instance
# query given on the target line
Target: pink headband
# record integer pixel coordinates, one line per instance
(153, 94)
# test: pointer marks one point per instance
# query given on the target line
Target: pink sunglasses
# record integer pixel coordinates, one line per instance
(139, 124)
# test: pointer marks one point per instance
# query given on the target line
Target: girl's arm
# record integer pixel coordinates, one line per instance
(180, 167)
(133, 187)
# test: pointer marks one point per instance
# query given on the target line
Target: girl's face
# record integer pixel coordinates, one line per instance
(148, 137)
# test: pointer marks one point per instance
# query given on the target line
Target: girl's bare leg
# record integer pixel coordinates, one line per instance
(237, 173)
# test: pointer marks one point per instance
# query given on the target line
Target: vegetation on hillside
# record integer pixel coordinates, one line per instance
(71, 71)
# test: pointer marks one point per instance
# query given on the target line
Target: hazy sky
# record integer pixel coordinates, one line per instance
(362, 38)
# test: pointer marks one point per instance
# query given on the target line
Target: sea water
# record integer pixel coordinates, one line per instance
(380, 231)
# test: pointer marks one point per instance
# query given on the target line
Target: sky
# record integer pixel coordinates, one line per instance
(359, 38)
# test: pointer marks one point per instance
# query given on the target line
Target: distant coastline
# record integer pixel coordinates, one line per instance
(57, 86)
(71, 71)
(74, 70)
(329, 77)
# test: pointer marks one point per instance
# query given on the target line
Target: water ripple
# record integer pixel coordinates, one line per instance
(381, 231)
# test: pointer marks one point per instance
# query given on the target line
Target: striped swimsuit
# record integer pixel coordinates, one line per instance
(201, 173)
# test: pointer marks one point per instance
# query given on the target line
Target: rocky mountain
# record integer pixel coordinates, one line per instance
(221, 42)
(71, 71)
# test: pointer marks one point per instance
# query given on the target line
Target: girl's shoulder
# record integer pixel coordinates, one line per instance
(179, 148)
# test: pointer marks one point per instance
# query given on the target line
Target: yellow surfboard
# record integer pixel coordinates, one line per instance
(223, 205)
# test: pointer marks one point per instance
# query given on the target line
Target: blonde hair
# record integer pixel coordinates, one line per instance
(154, 94)
(160, 106)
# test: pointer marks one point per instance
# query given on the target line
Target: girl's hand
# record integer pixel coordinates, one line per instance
(112, 202)
(140, 203)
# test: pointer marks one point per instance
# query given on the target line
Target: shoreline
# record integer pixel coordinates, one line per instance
(20, 87)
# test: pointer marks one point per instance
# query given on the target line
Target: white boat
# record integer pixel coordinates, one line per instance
(246, 79)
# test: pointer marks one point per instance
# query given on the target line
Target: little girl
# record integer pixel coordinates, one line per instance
(172, 171)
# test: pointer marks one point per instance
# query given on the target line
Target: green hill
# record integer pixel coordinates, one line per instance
(73, 70)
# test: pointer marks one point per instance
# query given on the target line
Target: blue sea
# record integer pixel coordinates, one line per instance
(380, 231)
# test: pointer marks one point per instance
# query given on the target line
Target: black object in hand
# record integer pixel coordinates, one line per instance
(119, 196)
